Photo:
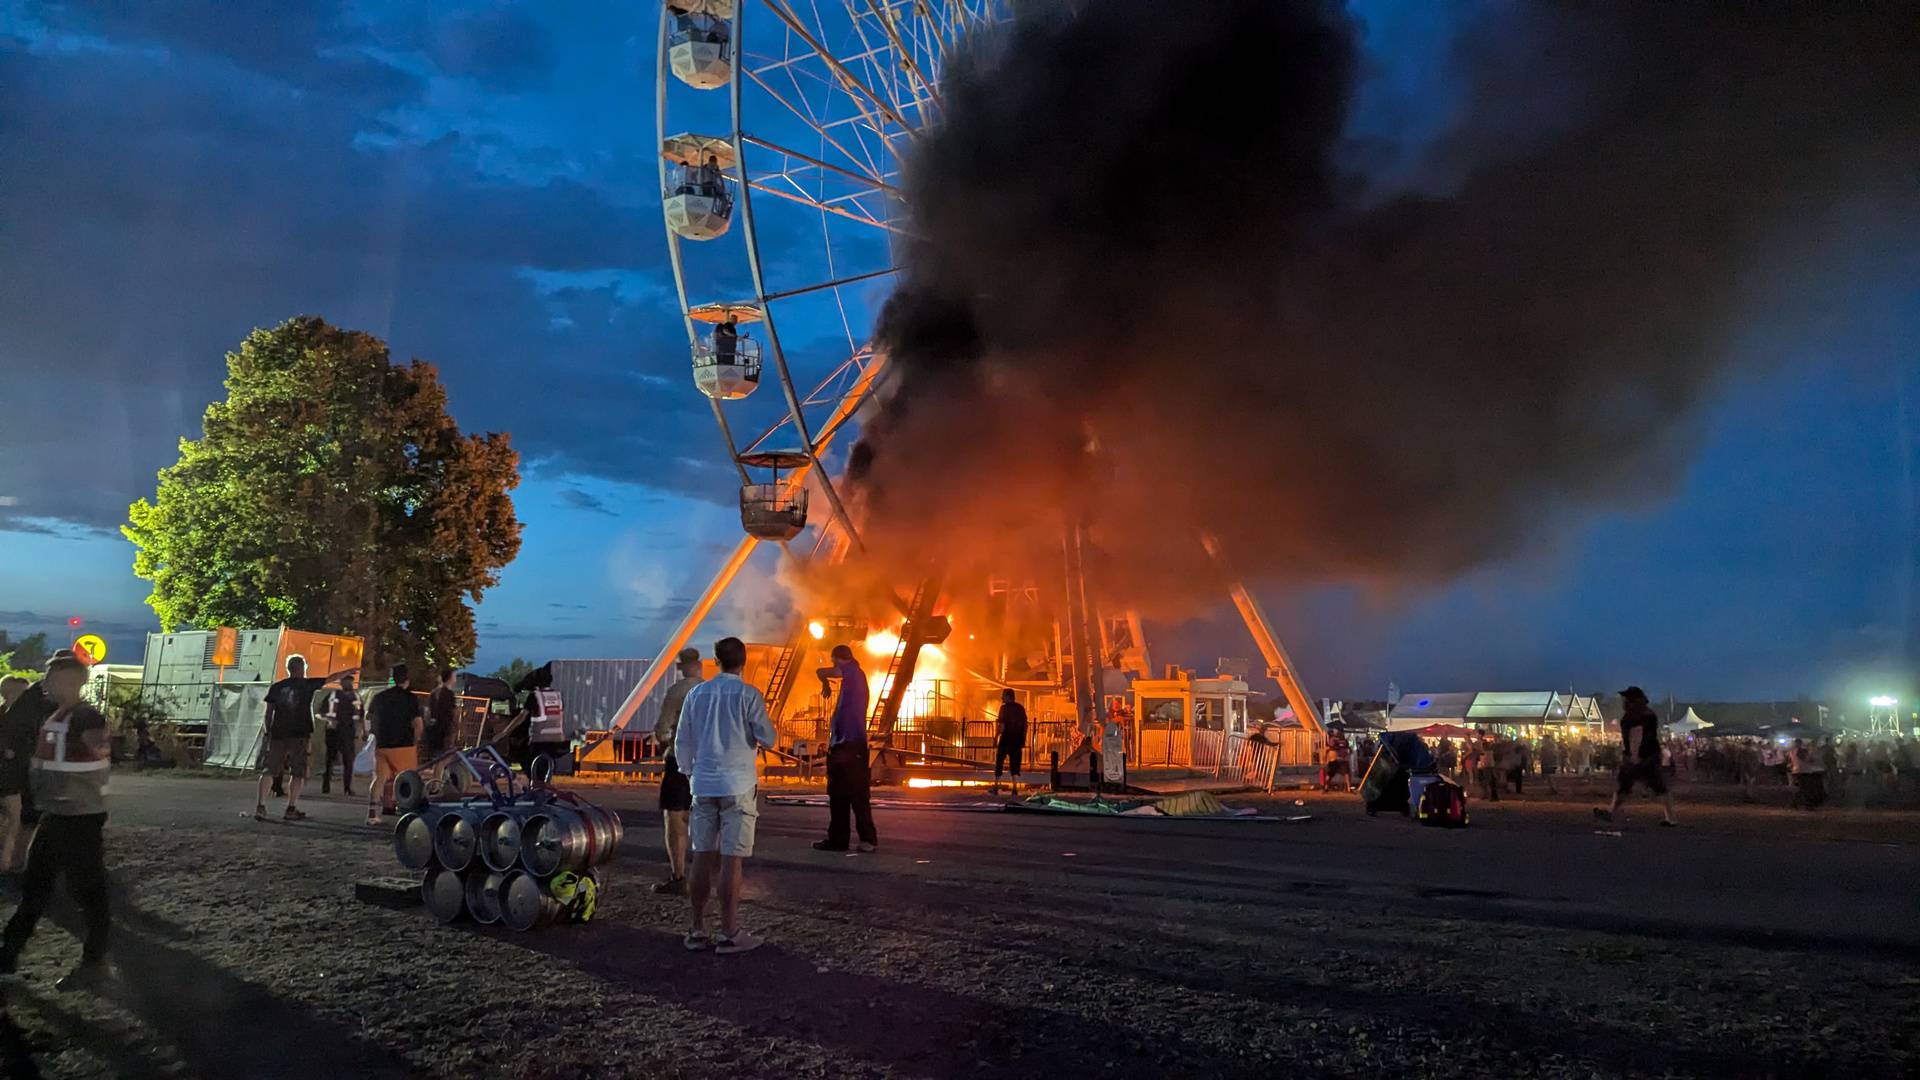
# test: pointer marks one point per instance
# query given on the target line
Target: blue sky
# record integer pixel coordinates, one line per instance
(476, 184)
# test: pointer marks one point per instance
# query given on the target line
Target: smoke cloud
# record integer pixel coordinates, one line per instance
(1151, 283)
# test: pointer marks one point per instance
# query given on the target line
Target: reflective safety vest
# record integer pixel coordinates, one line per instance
(69, 777)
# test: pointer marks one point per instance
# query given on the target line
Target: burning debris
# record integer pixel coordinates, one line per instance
(1152, 286)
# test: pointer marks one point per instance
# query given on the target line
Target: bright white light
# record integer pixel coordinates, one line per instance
(1884, 702)
(814, 628)
(882, 643)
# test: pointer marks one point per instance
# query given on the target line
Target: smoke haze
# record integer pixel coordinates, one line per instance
(1141, 228)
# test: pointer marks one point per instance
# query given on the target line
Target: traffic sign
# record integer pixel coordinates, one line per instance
(89, 648)
(226, 647)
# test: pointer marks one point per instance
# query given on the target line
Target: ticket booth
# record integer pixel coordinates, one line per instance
(1182, 721)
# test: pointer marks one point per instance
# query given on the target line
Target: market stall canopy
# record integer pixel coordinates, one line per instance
(1445, 731)
(1414, 711)
(1689, 722)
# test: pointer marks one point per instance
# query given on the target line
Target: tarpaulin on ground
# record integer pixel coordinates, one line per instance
(236, 725)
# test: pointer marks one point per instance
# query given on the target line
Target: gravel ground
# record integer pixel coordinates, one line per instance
(993, 945)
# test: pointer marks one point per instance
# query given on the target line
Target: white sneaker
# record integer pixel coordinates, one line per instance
(739, 942)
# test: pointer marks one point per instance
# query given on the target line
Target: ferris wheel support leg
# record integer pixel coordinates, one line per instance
(662, 661)
(1279, 665)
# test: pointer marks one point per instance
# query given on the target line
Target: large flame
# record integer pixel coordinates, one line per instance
(932, 691)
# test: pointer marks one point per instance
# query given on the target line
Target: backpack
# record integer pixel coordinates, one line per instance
(1443, 804)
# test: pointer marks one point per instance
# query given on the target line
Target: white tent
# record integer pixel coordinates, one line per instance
(1687, 723)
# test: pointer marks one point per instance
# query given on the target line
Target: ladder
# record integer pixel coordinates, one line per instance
(780, 685)
(886, 703)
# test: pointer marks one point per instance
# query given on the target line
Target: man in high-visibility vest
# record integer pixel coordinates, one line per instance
(71, 763)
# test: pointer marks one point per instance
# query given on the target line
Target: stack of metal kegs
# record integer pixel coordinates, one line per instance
(494, 850)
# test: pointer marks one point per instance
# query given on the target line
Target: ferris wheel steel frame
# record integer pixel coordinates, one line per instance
(868, 139)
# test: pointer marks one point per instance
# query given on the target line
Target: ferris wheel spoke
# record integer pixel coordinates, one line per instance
(872, 168)
(834, 284)
(884, 14)
(856, 177)
(882, 64)
(807, 200)
(786, 15)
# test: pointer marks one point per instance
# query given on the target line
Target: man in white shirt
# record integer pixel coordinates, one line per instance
(723, 725)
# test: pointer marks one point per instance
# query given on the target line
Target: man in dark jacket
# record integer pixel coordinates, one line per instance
(342, 711)
(25, 706)
(849, 775)
(443, 715)
(1012, 743)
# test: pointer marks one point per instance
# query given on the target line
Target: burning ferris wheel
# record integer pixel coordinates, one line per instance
(784, 127)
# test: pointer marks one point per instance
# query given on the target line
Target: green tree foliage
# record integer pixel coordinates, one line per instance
(331, 492)
(513, 672)
(10, 665)
(29, 653)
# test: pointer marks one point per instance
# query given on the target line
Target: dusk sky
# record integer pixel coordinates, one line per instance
(476, 184)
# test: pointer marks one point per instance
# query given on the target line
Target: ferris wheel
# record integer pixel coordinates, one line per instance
(783, 126)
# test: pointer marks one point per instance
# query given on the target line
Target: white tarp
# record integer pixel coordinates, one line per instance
(236, 726)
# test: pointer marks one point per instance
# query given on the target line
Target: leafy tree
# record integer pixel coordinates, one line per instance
(28, 653)
(513, 672)
(331, 492)
(9, 665)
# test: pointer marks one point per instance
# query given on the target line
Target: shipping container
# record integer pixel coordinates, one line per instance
(178, 675)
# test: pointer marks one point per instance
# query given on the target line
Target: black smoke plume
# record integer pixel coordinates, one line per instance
(1151, 282)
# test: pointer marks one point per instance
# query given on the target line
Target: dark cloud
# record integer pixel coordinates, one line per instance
(581, 500)
(251, 172)
(501, 48)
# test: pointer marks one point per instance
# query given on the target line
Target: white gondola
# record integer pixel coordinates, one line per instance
(700, 46)
(697, 202)
(776, 510)
(726, 363)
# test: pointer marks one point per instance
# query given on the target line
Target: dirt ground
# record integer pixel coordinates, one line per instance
(1752, 942)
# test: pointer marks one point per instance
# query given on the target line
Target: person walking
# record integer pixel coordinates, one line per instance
(342, 711)
(1640, 756)
(1549, 763)
(394, 715)
(1011, 745)
(849, 774)
(71, 762)
(289, 737)
(676, 798)
(723, 725)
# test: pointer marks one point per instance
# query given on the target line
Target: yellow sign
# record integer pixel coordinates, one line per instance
(89, 648)
(226, 646)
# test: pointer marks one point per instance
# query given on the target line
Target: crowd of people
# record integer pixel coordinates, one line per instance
(1854, 769)
(406, 732)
